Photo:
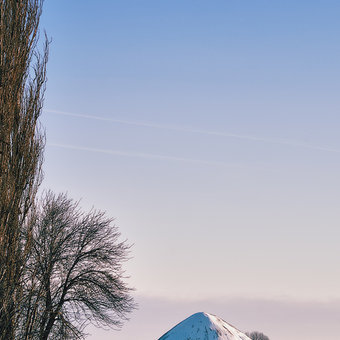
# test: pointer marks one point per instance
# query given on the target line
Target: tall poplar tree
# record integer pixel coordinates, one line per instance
(22, 83)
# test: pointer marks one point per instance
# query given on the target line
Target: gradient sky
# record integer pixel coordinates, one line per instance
(210, 131)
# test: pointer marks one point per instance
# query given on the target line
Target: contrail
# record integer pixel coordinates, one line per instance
(199, 131)
(139, 155)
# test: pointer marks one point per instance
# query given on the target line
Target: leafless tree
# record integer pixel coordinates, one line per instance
(75, 273)
(257, 336)
(22, 82)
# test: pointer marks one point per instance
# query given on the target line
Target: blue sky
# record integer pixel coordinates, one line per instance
(210, 131)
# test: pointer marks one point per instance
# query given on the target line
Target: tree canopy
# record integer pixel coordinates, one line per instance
(75, 272)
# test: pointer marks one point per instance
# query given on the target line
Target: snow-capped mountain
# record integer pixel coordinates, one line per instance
(204, 326)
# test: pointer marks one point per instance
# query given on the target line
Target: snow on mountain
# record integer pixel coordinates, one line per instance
(204, 326)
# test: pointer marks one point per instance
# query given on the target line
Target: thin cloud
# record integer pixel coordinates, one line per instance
(138, 155)
(198, 131)
(279, 319)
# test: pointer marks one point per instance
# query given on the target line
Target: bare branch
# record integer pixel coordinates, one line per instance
(77, 266)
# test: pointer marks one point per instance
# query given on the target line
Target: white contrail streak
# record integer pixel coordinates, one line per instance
(139, 155)
(199, 131)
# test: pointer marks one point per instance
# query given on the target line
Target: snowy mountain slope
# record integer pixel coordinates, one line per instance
(204, 326)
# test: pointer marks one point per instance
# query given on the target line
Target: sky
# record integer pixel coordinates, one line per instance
(210, 131)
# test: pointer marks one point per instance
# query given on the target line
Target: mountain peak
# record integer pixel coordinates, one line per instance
(204, 326)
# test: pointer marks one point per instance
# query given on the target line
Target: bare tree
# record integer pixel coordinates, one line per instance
(75, 273)
(22, 81)
(257, 336)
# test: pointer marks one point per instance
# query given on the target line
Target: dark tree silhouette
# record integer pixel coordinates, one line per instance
(22, 82)
(75, 275)
(257, 336)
